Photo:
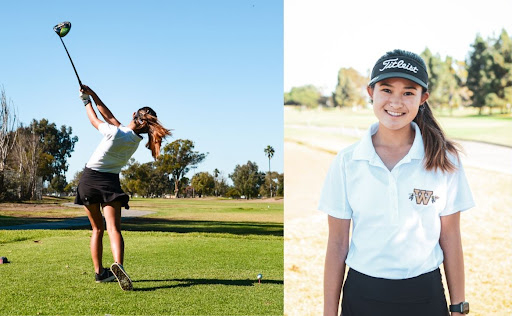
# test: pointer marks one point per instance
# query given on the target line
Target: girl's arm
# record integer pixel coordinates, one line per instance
(334, 271)
(95, 121)
(451, 244)
(102, 108)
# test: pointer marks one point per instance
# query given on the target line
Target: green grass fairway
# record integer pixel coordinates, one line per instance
(193, 257)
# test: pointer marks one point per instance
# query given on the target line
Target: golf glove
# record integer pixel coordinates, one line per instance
(85, 98)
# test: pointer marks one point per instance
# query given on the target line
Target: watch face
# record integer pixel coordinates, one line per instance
(465, 307)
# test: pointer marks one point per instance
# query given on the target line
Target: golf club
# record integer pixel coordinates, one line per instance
(62, 29)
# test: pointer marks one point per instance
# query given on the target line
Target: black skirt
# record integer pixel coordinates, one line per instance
(423, 295)
(100, 187)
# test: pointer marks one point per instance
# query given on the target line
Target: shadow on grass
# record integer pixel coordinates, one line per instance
(147, 224)
(12, 221)
(188, 226)
(193, 282)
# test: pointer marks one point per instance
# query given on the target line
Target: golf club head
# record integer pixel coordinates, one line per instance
(62, 28)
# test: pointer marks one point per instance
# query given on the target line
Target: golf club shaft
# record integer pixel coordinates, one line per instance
(71, 60)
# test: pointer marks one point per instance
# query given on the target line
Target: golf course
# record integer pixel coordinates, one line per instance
(188, 257)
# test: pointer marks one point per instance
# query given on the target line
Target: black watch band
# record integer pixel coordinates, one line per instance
(462, 308)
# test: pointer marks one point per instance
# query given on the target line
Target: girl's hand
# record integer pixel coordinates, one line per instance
(85, 89)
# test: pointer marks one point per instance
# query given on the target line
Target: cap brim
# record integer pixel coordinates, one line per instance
(397, 75)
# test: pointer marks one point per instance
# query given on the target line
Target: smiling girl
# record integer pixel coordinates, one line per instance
(403, 187)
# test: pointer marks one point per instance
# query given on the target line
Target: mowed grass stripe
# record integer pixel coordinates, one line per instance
(213, 209)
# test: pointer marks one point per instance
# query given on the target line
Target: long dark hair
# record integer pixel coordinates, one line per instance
(146, 122)
(435, 143)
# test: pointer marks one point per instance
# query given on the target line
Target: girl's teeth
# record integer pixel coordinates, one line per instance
(394, 113)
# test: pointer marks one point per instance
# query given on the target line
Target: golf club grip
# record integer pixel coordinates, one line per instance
(71, 60)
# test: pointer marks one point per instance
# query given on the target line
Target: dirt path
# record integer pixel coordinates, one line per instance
(305, 233)
(485, 235)
(72, 222)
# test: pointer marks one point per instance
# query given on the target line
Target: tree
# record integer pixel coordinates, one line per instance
(203, 183)
(177, 158)
(183, 185)
(305, 95)
(56, 146)
(7, 135)
(233, 193)
(221, 184)
(270, 180)
(25, 160)
(269, 151)
(216, 174)
(501, 80)
(443, 83)
(280, 185)
(129, 179)
(73, 184)
(490, 72)
(351, 88)
(58, 183)
(247, 179)
(145, 179)
(478, 72)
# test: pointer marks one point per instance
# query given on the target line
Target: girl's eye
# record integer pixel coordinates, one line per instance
(408, 93)
(386, 90)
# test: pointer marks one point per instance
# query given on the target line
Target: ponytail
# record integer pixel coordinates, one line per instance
(435, 143)
(147, 122)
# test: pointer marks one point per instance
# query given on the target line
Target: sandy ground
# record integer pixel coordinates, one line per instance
(486, 235)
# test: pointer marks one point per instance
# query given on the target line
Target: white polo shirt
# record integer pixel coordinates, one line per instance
(395, 214)
(115, 149)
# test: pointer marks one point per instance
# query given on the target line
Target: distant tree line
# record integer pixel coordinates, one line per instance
(167, 177)
(483, 80)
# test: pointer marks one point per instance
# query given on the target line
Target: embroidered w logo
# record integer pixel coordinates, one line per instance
(422, 196)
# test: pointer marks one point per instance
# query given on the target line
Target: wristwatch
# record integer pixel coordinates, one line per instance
(462, 308)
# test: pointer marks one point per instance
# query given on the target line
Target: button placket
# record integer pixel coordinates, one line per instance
(393, 196)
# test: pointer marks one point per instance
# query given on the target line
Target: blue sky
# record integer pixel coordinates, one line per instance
(212, 70)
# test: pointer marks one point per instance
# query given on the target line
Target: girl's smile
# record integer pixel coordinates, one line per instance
(395, 114)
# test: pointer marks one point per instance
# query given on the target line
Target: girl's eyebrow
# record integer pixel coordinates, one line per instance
(388, 85)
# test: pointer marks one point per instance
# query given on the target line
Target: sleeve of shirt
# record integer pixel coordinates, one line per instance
(107, 130)
(459, 197)
(333, 199)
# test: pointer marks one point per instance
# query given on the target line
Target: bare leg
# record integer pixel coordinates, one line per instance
(112, 213)
(94, 214)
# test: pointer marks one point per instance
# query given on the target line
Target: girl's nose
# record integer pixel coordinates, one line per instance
(395, 101)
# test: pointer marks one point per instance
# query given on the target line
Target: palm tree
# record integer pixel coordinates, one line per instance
(216, 173)
(270, 153)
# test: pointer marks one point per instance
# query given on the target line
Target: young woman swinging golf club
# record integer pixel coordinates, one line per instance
(403, 187)
(99, 185)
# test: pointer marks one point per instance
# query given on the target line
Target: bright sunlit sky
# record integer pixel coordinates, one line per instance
(323, 36)
(212, 70)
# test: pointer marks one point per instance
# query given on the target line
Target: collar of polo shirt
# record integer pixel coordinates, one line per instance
(366, 151)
